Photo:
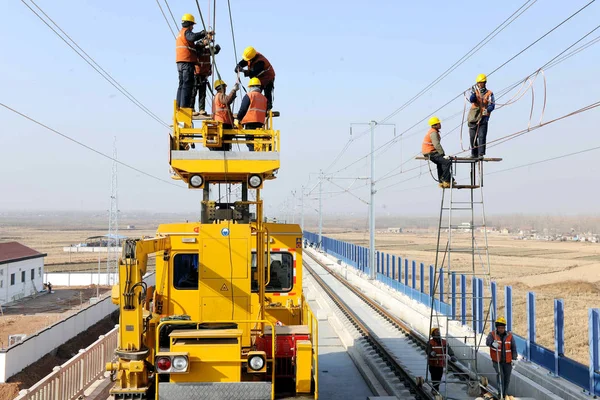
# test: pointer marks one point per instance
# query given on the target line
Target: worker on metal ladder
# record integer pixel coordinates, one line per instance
(482, 105)
(432, 149)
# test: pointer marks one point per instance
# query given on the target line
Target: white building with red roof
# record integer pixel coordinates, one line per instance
(21, 271)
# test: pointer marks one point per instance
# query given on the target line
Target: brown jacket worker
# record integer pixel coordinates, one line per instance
(253, 110)
(432, 149)
(203, 69)
(438, 352)
(482, 105)
(503, 351)
(258, 67)
(222, 109)
(186, 58)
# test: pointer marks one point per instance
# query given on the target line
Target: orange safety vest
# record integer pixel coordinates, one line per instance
(184, 52)
(427, 146)
(221, 111)
(268, 74)
(496, 354)
(440, 358)
(203, 65)
(482, 101)
(257, 112)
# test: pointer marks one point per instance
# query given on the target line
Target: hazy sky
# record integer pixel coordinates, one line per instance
(337, 62)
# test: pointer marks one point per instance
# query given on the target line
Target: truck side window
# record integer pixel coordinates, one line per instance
(185, 271)
(282, 272)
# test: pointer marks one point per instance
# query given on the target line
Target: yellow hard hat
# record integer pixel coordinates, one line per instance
(501, 321)
(434, 120)
(188, 18)
(433, 330)
(249, 53)
(254, 82)
(219, 82)
(481, 78)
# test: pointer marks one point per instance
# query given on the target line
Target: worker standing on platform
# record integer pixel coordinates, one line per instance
(438, 352)
(222, 109)
(258, 67)
(203, 70)
(432, 149)
(482, 104)
(503, 351)
(253, 110)
(186, 58)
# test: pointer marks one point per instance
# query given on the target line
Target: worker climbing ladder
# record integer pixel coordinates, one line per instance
(462, 262)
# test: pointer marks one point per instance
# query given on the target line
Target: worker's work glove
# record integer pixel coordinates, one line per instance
(236, 87)
(237, 69)
(433, 354)
(484, 113)
(447, 157)
(246, 72)
(495, 345)
(236, 123)
(512, 363)
(217, 49)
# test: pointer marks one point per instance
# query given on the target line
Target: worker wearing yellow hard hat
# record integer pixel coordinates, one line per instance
(253, 110)
(482, 104)
(438, 352)
(432, 149)
(186, 57)
(503, 351)
(255, 65)
(222, 109)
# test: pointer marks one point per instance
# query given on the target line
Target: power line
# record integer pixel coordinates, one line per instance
(166, 19)
(93, 63)
(88, 147)
(386, 144)
(170, 12)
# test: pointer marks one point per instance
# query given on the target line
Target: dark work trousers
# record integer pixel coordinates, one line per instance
(444, 167)
(478, 134)
(268, 91)
(225, 146)
(503, 375)
(199, 90)
(186, 84)
(436, 376)
(252, 125)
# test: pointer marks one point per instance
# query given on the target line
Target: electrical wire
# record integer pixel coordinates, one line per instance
(166, 19)
(92, 62)
(395, 139)
(170, 12)
(87, 147)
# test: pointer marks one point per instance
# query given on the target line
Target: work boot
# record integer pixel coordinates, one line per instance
(202, 112)
(446, 185)
(441, 184)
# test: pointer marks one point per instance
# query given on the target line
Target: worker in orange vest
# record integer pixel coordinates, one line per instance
(482, 105)
(203, 69)
(438, 352)
(258, 67)
(503, 351)
(186, 58)
(433, 150)
(253, 110)
(222, 109)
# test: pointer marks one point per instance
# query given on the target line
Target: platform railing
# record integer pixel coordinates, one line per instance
(70, 380)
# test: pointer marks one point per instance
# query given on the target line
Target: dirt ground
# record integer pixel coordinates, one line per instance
(30, 315)
(562, 270)
(32, 374)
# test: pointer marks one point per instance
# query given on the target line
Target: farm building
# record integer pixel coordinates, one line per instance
(21, 271)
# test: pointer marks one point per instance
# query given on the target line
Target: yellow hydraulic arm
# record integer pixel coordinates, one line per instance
(129, 294)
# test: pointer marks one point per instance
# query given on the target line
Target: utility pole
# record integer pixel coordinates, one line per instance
(320, 207)
(112, 256)
(372, 265)
(302, 209)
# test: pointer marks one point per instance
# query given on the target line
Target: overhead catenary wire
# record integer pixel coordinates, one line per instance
(172, 16)
(166, 19)
(78, 50)
(88, 147)
(395, 139)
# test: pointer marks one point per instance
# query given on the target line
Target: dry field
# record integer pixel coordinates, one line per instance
(564, 270)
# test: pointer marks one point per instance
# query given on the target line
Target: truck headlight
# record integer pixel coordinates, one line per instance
(256, 362)
(180, 363)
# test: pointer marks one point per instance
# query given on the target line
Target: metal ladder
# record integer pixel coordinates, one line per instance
(460, 203)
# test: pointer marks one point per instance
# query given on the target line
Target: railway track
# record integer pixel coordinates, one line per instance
(394, 342)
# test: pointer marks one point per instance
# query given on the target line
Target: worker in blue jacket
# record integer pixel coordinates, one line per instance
(482, 104)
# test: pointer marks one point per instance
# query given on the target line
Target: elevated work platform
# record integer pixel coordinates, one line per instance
(209, 153)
